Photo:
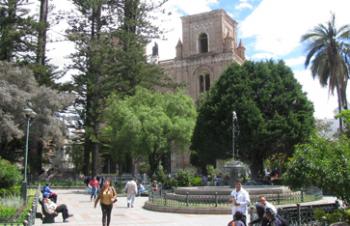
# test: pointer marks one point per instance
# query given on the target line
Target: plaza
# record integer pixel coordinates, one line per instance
(79, 204)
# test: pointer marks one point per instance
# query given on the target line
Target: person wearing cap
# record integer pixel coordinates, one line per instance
(240, 200)
(47, 192)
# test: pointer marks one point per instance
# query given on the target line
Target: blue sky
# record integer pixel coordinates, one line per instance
(270, 29)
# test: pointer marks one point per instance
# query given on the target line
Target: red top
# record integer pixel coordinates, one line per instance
(94, 183)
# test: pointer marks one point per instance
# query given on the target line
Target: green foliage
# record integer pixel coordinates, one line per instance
(6, 213)
(184, 177)
(196, 181)
(323, 163)
(160, 174)
(9, 174)
(339, 215)
(273, 115)
(17, 31)
(110, 38)
(10, 191)
(148, 124)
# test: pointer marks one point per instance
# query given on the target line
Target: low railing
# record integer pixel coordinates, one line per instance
(179, 200)
(30, 218)
(295, 213)
(304, 215)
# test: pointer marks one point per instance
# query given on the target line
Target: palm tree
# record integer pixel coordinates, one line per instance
(327, 52)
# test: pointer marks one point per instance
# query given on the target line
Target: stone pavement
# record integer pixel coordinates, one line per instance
(79, 204)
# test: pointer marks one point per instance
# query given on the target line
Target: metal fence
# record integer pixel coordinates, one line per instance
(171, 199)
(295, 214)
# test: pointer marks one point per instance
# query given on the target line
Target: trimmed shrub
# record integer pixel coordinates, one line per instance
(9, 174)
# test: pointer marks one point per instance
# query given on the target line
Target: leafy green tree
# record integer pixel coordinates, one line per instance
(326, 53)
(17, 87)
(110, 37)
(148, 125)
(323, 163)
(273, 115)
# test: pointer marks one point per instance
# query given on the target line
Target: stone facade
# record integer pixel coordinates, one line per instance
(209, 45)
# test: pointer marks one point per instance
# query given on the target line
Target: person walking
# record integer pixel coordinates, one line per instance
(95, 185)
(107, 197)
(131, 190)
(240, 200)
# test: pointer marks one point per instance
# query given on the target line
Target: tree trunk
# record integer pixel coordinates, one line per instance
(340, 101)
(41, 49)
(87, 151)
(257, 167)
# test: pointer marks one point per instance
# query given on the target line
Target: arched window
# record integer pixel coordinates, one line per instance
(204, 83)
(207, 82)
(203, 43)
(201, 84)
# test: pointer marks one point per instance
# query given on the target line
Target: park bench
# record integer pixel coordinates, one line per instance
(47, 217)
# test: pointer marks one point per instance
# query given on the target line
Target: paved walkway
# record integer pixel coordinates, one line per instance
(79, 204)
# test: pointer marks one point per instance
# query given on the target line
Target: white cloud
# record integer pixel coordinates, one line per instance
(324, 103)
(262, 55)
(244, 5)
(295, 61)
(278, 25)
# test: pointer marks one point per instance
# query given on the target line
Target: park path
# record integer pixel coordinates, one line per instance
(79, 204)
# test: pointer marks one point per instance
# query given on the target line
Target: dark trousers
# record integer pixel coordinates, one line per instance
(106, 214)
(62, 209)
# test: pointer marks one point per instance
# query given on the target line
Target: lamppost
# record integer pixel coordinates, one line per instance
(30, 114)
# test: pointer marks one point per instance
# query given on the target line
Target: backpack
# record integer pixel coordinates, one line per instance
(283, 221)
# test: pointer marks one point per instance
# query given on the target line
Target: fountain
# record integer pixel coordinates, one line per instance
(235, 168)
(202, 199)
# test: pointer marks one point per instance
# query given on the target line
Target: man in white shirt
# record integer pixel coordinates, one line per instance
(131, 190)
(240, 200)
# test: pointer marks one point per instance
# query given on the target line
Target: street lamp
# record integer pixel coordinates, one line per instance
(30, 114)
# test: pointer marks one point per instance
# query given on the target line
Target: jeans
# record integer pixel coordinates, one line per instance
(106, 214)
(93, 192)
(62, 209)
(131, 199)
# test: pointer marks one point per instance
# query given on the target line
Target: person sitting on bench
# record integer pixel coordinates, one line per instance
(52, 208)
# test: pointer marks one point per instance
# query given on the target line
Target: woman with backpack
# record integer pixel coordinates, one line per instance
(107, 197)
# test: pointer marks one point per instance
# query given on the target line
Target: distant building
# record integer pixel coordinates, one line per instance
(209, 45)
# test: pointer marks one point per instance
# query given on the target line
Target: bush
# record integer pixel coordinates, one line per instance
(9, 174)
(184, 177)
(196, 181)
(11, 191)
(338, 215)
(6, 213)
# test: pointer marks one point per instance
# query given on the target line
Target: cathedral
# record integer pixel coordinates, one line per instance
(209, 45)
